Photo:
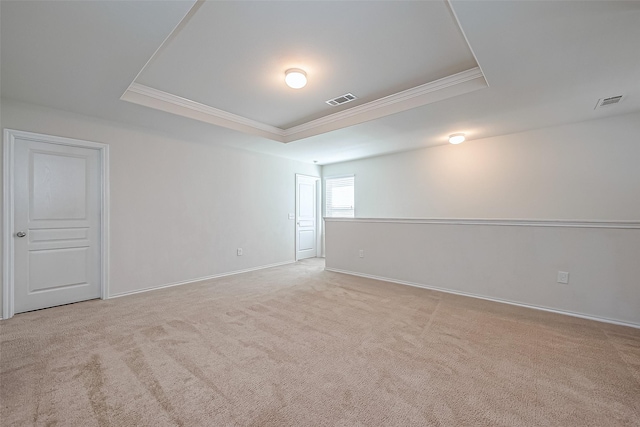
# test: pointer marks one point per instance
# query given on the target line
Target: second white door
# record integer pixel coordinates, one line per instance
(306, 216)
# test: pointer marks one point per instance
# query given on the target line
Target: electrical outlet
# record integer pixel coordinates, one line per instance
(563, 277)
(239, 251)
(292, 216)
(361, 253)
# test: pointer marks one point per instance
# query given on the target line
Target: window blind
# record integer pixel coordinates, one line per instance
(340, 197)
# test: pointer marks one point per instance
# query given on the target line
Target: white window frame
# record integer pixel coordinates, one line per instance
(326, 188)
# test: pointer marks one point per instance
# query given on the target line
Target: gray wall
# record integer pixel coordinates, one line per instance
(588, 170)
(179, 209)
(582, 171)
(510, 262)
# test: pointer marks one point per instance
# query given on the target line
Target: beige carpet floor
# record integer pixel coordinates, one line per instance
(298, 346)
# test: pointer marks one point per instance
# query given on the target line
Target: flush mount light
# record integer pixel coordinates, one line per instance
(456, 138)
(295, 78)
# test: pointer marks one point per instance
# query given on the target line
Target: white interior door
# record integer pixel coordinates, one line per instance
(306, 217)
(56, 224)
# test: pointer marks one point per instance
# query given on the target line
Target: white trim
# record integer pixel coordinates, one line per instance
(7, 227)
(154, 98)
(223, 116)
(466, 39)
(105, 220)
(319, 222)
(399, 97)
(201, 279)
(499, 300)
(183, 22)
(345, 175)
(501, 222)
(8, 253)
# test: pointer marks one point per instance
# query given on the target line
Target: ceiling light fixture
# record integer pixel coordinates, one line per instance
(456, 138)
(295, 78)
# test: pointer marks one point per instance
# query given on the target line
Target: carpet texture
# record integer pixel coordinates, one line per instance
(299, 346)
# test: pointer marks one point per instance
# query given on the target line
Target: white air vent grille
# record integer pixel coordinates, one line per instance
(342, 99)
(603, 102)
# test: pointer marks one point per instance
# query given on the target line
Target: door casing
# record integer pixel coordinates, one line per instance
(8, 250)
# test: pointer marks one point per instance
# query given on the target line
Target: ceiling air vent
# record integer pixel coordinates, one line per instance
(342, 99)
(603, 102)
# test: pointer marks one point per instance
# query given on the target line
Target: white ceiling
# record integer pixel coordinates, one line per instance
(233, 55)
(546, 63)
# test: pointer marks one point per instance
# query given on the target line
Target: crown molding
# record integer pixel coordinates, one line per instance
(165, 101)
(400, 101)
(436, 90)
(466, 39)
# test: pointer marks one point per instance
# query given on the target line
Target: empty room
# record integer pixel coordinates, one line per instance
(320, 213)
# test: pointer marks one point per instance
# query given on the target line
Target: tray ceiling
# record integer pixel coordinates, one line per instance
(548, 64)
(225, 62)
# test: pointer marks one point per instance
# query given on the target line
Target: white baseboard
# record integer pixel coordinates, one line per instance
(503, 301)
(200, 279)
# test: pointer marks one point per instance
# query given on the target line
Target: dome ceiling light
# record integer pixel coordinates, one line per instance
(456, 138)
(295, 78)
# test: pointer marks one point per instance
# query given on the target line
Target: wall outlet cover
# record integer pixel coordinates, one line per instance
(239, 251)
(563, 277)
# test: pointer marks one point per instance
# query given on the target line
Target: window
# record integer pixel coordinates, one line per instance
(340, 197)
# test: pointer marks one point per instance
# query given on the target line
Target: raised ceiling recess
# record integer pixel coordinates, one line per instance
(225, 64)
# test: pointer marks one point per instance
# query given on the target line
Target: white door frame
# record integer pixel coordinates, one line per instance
(318, 215)
(8, 209)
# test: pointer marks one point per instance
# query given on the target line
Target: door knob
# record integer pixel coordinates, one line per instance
(21, 234)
